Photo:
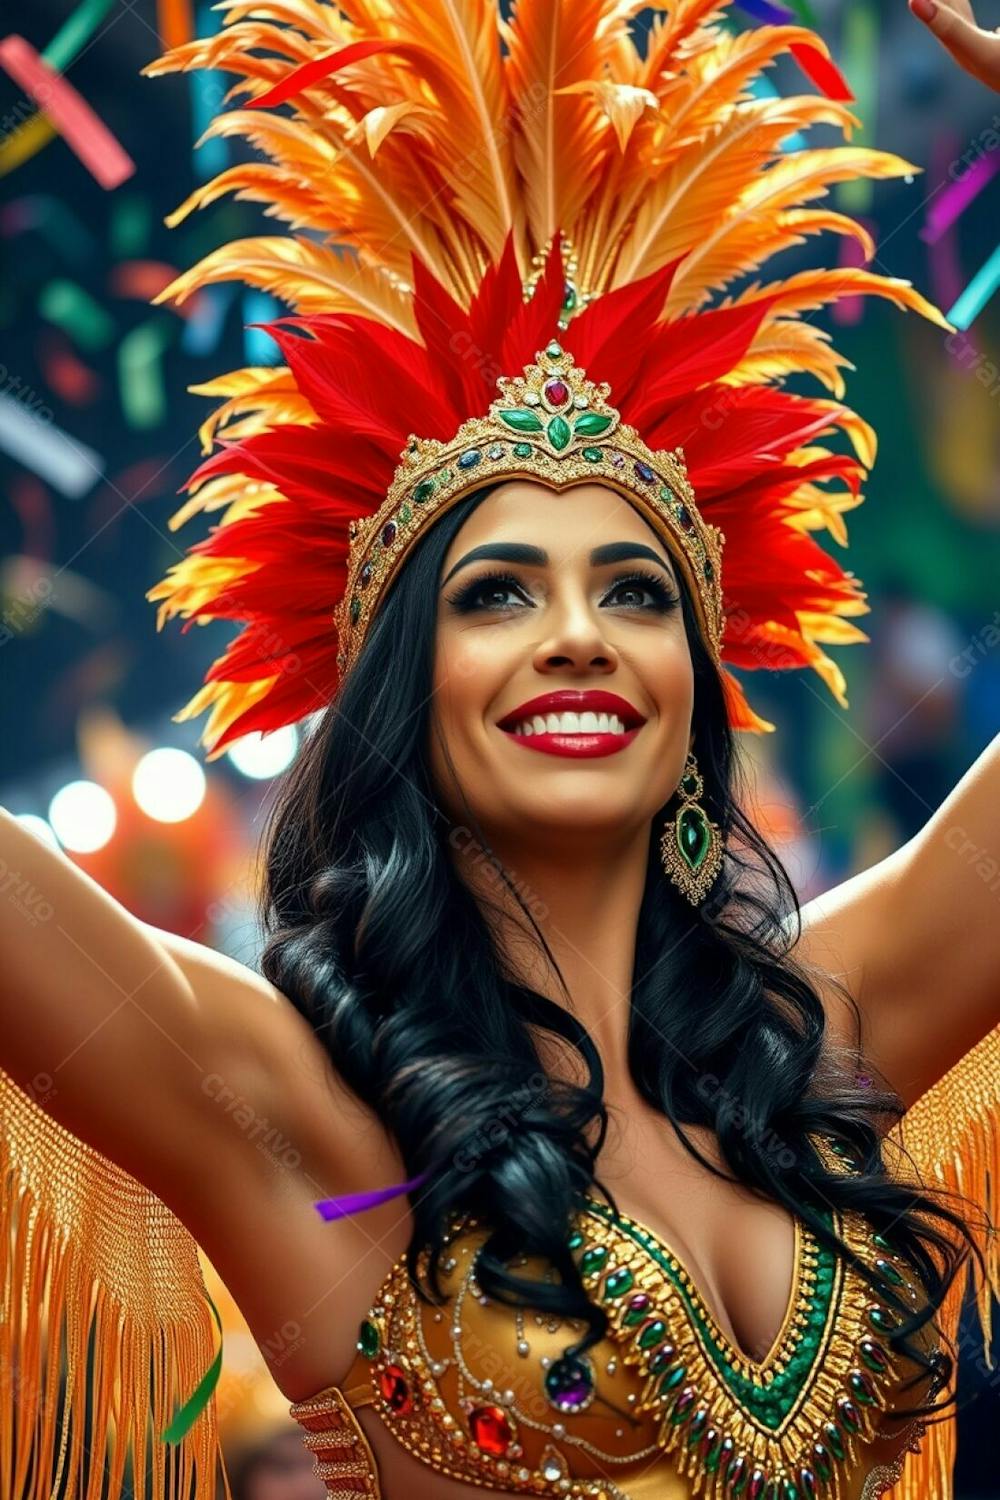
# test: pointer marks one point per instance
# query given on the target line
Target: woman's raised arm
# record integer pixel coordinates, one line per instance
(131, 1037)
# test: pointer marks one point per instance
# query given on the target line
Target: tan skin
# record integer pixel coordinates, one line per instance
(151, 1040)
(975, 48)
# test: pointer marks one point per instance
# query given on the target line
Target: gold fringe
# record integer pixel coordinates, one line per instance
(952, 1137)
(87, 1251)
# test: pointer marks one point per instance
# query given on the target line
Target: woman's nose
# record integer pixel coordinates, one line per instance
(575, 640)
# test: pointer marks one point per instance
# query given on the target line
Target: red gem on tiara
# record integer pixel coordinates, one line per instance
(556, 392)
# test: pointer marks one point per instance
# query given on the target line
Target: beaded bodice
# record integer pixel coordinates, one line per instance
(665, 1406)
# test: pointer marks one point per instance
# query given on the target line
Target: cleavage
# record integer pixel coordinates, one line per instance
(737, 1254)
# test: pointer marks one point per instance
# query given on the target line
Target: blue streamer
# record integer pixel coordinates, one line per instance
(259, 347)
(979, 291)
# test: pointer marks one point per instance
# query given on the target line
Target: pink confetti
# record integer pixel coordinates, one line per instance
(953, 200)
(68, 111)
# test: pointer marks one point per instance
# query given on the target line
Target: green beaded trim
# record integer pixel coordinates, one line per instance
(768, 1400)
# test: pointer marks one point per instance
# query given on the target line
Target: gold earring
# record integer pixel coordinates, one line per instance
(691, 844)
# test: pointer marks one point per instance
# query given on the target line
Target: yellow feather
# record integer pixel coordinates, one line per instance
(808, 290)
(230, 493)
(559, 139)
(790, 347)
(267, 390)
(687, 201)
(304, 274)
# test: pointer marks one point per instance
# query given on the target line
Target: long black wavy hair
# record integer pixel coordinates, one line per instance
(377, 940)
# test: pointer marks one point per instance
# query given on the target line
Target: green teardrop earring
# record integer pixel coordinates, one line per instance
(691, 844)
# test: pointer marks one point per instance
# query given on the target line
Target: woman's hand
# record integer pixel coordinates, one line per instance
(973, 47)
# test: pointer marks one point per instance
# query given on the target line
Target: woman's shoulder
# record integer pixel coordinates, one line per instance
(271, 1079)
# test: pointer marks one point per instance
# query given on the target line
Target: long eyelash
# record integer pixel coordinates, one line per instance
(463, 598)
(667, 597)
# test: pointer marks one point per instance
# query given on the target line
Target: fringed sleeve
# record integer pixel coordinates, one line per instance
(952, 1137)
(106, 1327)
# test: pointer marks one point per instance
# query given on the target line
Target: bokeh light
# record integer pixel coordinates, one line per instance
(169, 785)
(83, 816)
(262, 756)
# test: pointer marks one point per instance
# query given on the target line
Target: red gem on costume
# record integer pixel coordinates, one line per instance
(556, 392)
(490, 1430)
(395, 1388)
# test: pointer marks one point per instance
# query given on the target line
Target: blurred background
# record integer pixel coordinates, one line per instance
(98, 433)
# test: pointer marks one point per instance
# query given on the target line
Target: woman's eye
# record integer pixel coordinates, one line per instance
(487, 593)
(650, 585)
(503, 593)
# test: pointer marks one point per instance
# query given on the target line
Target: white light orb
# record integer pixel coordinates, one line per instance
(169, 785)
(39, 827)
(83, 816)
(261, 756)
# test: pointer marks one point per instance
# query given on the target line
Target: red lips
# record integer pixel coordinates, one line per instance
(579, 700)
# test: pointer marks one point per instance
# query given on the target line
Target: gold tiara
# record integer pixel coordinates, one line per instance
(550, 424)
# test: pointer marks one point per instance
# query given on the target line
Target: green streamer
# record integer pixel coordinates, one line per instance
(131, 221)
(805, 13)
(140, 372)
(75, 32)
(859, 63)
(75, 311)
(185, 1417)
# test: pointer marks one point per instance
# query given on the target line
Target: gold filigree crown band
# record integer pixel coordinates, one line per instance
(553, 425)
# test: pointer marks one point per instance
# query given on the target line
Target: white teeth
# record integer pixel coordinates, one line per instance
(572, 723)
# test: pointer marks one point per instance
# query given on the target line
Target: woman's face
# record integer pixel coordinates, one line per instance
(539, 595)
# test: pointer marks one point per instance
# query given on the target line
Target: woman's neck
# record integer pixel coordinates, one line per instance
(586, 905)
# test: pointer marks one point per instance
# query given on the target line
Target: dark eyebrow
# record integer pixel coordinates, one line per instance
(525, 553)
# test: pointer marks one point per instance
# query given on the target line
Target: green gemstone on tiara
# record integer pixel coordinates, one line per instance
(521, 420)
(559, 432)
(423, 491)
(554, 350)
(591, 424)
(522, 450)
(592, 455)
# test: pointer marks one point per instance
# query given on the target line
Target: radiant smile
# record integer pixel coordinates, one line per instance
(575, 724)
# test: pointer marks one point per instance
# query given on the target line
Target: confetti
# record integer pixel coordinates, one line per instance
(22, 143)
(75, 32)
(860, 41)
(204, 328)
(71, 380)
(978, 292)
(54, 220)
(83, 132)
(31, 438)
(259, 347)
(70, 308)
(952, 201)
(140, 372)
(174, 21)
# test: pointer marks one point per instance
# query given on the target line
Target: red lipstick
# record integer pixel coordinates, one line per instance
(579, 744)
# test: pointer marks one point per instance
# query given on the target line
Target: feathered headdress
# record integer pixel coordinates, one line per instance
(432, 157)
(460, 189)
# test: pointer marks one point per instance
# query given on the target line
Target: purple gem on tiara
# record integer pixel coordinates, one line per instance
(618, 459)
(644, 471)
(388, 533)
(365, 576)
(685, 518)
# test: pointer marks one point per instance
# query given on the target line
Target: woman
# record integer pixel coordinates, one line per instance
(516, 960)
